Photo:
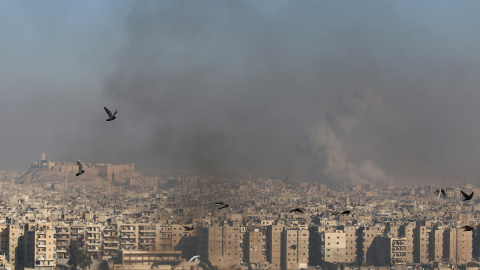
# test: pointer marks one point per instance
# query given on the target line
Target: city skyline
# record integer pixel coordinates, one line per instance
(137, 227)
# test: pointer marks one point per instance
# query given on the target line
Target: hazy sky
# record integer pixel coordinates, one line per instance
(337, 92)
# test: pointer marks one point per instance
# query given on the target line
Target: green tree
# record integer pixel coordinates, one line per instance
(78, 258)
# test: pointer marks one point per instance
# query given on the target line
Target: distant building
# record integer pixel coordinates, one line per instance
(225, 245)
(294, 248)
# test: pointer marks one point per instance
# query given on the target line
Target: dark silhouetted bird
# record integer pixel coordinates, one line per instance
(293, 247)
(440, 191)
(296, 210)
(111, 116)
(189, 228)
(467, 228)
(346, 212)
(222, 205)
(80, 169)
(467, 197)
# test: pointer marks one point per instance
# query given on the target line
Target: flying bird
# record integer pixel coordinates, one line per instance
(195, 258)
(189, 228)
(296, 210)
(111, 116)
(80, 169)
(293, 247)
(440, 191)
(467, 197)
(335, 213)
(222, 205)
(466, 228)
(346, 212)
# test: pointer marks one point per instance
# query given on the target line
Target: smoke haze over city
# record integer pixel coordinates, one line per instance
(340, 92)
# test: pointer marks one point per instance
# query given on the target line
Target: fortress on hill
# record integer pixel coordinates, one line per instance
(47, 171)
(106, 171)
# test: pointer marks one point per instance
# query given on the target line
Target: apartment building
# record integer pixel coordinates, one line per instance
(255, 246)
(421, 250)
(40, 247)
(334, 246)
(225, 245)
(436, 244)
(274, 243)
(4, 241)
(366, 235)
(111, 244)
(62, 236)
(407, 231)
(128, 236)
(93, 240)
(458, 245)
(77, 233)
(294, 248)
(15, 243)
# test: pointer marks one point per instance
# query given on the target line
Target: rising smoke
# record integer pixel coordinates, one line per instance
(332, 92)
(231, 100)
(323, 144)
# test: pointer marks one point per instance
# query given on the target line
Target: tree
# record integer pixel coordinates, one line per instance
(104, 266)
(78, 257)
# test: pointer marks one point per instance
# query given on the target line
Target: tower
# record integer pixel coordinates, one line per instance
(65, 183)
(43, 156)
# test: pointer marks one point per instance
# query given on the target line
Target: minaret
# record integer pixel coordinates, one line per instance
(65, 183)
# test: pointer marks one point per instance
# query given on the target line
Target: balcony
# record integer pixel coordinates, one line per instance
(148, 236)
(106, 241)
(128, 229)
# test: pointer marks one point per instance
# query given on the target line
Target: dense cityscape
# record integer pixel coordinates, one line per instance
(239, 135)
(160, 222)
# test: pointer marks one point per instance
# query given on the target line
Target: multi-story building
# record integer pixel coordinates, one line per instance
(77, 233)
(128, 236)
(110, 245)
(225, 245)
(16, 244)
(366, 235)
(4, 241)
(458, 245)
(398, 254)
(164, 238)
(62, 236)
(334, 246)
(274, 241)
(421, 252)
(178, 232)
(40, 247)
(93, 240)
(294, 248)
(351, 243)
(389, 250)
(436, 244)
(255, 247)
(147, 235)
(407, 231)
